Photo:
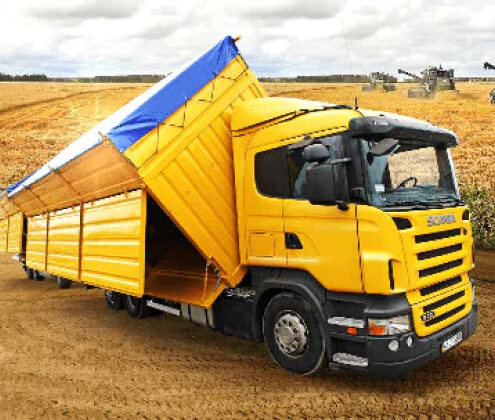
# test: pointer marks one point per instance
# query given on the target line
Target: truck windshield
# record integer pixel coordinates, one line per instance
(411, 175)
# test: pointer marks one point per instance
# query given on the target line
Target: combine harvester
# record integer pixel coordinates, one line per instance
(491, 97)
(380, 81)
(432, 79)
(301, 224)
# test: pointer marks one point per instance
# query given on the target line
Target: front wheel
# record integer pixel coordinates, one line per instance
(29, 273)
(293, 334)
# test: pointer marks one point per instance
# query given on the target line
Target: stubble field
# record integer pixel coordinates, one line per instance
(64, 354)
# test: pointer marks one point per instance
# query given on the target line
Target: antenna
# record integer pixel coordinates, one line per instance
(344, 35)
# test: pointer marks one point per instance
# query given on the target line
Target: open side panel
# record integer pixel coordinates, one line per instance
(175, 270)
(187, 166)
(16, 226)
(63, 243)
(113, 243)
(4, 234)
(36, 246)
(100, 172)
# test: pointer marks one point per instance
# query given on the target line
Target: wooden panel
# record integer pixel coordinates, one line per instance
(63, 243)
(15, 233)
(100, 172)
(113, 243)
(37, 230)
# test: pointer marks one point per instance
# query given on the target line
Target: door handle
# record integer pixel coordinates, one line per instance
(292, 241)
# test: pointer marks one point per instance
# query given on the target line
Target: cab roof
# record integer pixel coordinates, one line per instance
(258, 111)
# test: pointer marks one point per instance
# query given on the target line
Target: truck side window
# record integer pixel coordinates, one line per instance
(271, 172)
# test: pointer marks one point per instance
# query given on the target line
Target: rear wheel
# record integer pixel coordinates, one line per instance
(293, 334)
(29, 273)
(135, 307)
(115, 300)
(64, 283)
(37, 276)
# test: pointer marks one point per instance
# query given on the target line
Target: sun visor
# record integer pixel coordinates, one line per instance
(406, 130)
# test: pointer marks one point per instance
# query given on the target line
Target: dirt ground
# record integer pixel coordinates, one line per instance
(63, 353)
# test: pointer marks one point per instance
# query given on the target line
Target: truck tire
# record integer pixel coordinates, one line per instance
(37, 276)
(115, 300)
(64, 283)
(136, 307)
(29, 273)
(293, 334)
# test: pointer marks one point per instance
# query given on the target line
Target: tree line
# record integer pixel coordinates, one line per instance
(129, 78)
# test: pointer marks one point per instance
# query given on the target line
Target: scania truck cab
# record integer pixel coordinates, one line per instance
(358, 243)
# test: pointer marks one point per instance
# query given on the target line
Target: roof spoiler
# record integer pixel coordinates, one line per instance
(406, 130)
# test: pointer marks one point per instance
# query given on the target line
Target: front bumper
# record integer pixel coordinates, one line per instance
(384, 362)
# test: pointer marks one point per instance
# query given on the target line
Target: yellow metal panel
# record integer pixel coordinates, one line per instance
(113, 243)
(4, 229)
(189, 171)
(15, 233)
(36, 248)
(63, 243)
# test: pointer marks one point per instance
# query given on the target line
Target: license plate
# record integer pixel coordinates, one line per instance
(451, 342)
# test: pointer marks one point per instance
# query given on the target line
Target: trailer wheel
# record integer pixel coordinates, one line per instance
(293, 334)
(29, 273)
(115, 300)
(136, 307)
(64, 283)
(37, 276)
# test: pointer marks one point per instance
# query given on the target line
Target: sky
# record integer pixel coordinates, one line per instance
(279, 38)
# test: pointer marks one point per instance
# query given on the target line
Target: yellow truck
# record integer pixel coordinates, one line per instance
(335, 235)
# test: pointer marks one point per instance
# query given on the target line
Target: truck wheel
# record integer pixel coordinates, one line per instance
(30, 273)
(64, 283)
(37, 276)
(135, 307)
(293, 334)
(115, 300)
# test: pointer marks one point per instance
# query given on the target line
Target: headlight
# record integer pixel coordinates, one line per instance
(389, 326)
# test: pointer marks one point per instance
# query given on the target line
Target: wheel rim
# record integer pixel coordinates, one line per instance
(291, 333)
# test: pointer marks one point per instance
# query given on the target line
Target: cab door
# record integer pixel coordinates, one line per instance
(265, 187)
(321, 239)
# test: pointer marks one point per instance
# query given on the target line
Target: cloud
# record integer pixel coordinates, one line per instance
(84, 9)
(279, 37)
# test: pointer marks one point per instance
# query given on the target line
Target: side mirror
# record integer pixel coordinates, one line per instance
(316, 153)
(382, 148)
(320, 184)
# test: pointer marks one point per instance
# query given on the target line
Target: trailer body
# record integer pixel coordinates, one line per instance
(274, 219)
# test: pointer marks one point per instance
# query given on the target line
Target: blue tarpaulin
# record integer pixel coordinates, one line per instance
(136, 119)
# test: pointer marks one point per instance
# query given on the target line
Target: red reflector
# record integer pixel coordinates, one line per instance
(351, 330)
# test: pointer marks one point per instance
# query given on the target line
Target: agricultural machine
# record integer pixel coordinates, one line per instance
(432, 79)
(380, 81)
(489, 66)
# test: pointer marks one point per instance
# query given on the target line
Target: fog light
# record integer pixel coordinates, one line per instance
(393, 345)
(409, 341)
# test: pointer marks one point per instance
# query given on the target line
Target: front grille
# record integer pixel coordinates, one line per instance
(439, 286)
(443, 302)
(439, 268)
(427, 237)
(444, 316)
(440, 251)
